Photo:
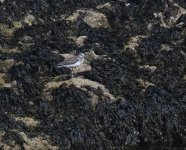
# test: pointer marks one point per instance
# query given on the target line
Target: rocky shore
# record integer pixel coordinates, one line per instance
(130, 93)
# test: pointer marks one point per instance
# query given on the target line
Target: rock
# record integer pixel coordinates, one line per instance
(128, 94)
(36, 143)
(106, 5)
(96, 19)
(29, 122)
(29, 19)
(9, 31)
(17, 24)
(2, 81)
(6, 65)
(92, 18)
(79, 41)
(6, 31)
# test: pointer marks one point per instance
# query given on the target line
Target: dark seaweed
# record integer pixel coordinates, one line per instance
(142, 116)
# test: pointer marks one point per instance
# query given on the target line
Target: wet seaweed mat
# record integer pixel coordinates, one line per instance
(130, 93)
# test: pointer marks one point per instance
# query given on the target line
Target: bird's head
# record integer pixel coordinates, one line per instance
(82, 55)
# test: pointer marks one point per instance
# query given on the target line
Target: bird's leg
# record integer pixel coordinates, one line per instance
(75, 71)
(72, 73)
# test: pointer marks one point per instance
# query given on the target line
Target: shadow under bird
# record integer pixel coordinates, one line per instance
(72, 62)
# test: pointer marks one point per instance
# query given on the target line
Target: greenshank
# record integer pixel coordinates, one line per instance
(72, 62)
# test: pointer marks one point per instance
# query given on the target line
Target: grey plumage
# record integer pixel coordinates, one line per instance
(72, 62)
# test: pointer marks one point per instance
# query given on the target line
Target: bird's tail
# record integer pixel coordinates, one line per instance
(60, 65)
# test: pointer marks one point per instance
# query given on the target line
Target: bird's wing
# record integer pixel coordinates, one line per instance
(71, 60)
